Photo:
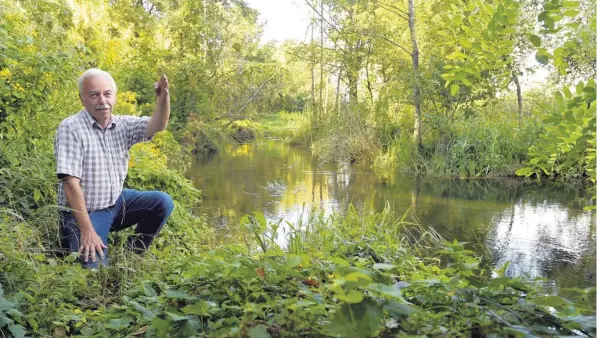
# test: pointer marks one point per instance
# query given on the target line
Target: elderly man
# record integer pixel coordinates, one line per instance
(92, 153)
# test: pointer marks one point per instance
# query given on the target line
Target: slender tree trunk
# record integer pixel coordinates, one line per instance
(518, 96)
(312, 71)
(321, 57)
(416, 82)
(338, 90)
(204, 34)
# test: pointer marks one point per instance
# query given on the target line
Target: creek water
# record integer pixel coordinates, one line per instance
(541, 228)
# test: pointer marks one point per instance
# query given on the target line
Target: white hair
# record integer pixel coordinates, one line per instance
(95, 72)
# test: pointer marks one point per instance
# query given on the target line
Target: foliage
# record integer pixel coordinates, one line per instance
(566, 146)
(350, 275)
(475, 147)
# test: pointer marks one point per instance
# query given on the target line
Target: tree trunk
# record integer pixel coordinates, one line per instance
(519, 97)
(416, 82)
(353, 78)
(338, 90)
(321, 57)
(312, 71)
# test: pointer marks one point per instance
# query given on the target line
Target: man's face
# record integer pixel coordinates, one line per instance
(99, 97)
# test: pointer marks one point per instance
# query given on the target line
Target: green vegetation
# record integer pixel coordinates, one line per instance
(350, 275)
(364, 99)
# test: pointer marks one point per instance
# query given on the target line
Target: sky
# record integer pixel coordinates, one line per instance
(284, 19)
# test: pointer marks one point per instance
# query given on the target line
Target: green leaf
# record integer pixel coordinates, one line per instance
(304, 303)
(384, 266)
(559, 98)
(36, 195)
(524, 172)
(174, 294)
(541, 58)
(259, 331)
(5, 305)
(87, 331)
(357, 320)
(352, 297)
(176, 317)
(554, 301)
(535, 40)
(579, 88)
(149, 291)
(390, 291)
(398, 309)
(147, 314)
(454, 89)
(17, 330)
(5, 321)
(465, 43)
(119, 323)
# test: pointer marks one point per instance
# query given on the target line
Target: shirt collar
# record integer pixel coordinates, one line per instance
(90, 120)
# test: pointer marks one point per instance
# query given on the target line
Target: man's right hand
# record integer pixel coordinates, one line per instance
(90, 244)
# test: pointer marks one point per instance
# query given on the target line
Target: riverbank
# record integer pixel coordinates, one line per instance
(352, 275)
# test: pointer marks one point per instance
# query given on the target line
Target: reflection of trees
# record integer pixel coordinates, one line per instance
(234, 183)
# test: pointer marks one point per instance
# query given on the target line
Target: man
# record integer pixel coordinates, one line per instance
(92, 153)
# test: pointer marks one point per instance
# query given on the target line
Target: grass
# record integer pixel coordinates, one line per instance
(286, 126)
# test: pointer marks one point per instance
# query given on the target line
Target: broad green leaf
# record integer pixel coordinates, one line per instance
(5, 305)
(541, 58)
(17, 330)
(465, 43)
(454, 89)
(147, 314)
(36, 195)
(175, 294)
(259, 331)
(357, 320)
(87, 331)
(149, 291)
(385, 290)
(524, 172)
(579, 88)
(119, 323)
(398, 309)
(352, 297)
(176, 317)
(535, 40)
(5, 320)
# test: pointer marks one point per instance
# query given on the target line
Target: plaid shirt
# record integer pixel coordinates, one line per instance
(98, 157)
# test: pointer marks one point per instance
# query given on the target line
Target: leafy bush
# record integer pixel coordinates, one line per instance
(566, 144)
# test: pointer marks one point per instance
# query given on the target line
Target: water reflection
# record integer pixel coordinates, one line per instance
(541, 229)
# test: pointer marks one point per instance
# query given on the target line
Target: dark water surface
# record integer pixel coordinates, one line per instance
(541, 229)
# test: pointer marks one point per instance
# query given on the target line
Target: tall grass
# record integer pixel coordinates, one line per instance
(474, 147)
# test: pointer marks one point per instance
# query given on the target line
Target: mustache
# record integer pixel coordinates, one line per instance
(104, 106)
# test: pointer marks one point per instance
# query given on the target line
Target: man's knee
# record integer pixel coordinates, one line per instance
(164, 202)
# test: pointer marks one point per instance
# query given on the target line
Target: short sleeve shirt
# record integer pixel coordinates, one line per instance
(98, 157)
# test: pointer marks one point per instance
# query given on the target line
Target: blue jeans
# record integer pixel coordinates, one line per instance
(148, 209)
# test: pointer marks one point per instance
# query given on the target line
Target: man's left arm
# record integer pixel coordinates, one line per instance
(161, 113)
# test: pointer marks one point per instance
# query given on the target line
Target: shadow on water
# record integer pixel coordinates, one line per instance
(541, 229)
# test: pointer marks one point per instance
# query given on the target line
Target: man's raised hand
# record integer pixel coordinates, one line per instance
(161, 87)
